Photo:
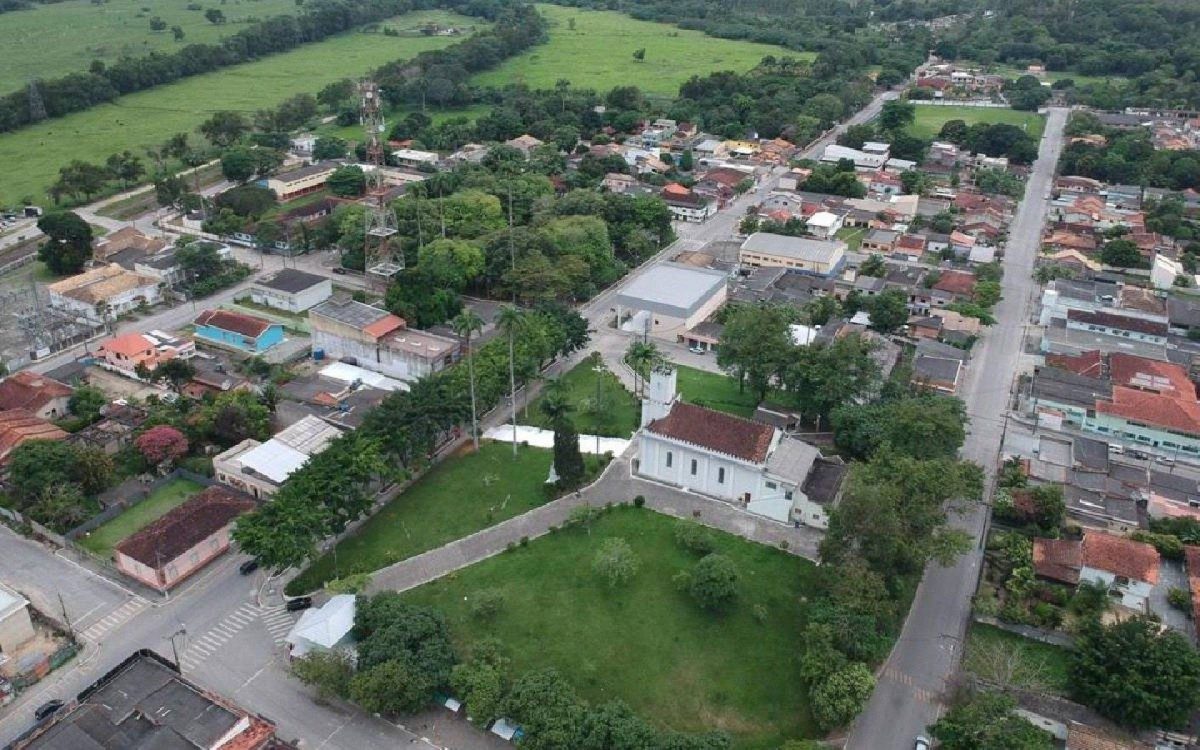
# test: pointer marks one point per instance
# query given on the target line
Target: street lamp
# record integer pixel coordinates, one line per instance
(599, 370)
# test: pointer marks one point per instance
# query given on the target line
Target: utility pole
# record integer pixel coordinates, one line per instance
(66, 618)
(599, 370)
(175, 648)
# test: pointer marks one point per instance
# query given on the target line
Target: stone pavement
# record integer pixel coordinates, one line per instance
(615, 485)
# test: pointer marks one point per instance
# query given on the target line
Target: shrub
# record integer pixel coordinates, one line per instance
(615, 561)
(694, 538)
(1180, 599)
(487, 604)
(639, 501)
(712, 582)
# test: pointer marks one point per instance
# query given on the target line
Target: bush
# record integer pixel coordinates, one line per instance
(712, 582)
(1168, 546)
(615, 561)
(329, 672)
(1180, 599)
(639, 501)
(694, 538)
(487, 604)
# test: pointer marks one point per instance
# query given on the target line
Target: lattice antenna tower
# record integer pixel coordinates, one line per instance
(380, 256)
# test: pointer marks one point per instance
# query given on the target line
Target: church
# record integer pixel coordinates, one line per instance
(752, 464)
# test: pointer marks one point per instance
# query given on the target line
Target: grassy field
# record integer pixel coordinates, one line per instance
(355, 132)
(999, 655)
(598, 54)
(55, 39)
(931, 117)
(34, 154)
(714, 390)
(616, 414)
(647, 643)
(169, 496)
(852, 236)
(455, 499)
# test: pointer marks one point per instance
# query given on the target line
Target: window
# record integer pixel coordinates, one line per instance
(787, 495)
(721, 475)
(668, 459)
(772, 486)
(694, 464)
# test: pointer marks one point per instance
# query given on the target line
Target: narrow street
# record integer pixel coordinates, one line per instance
(908, 695)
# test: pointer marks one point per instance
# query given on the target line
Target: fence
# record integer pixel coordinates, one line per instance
(121, 505)
(1050, 637)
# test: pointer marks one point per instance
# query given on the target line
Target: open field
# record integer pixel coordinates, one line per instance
(598, 54)
(463, 495)
(999, 655)
(647, 643)
(714, 390)
(931, 117)
(35, 154)
(615, 415)
(1050, 76)
(54, 39)
(170, 495)
(354, 133)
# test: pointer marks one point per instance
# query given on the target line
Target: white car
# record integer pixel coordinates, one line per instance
(922, 743)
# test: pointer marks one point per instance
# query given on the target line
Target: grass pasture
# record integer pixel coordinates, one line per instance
(460, 496)
(931, 117)
(35, 154)
(1001, 656)
(598, 54)
(615, 415)
(54, 39)
(714, 390)
(646, 642)
(165, 498)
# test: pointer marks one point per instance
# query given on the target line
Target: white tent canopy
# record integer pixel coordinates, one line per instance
(324, 627)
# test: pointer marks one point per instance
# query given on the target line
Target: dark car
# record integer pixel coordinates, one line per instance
(48, 709)
(299, 603)
(248, 567)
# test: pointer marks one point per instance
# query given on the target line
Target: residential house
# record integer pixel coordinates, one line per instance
(954, 321)
(238, 331)
(615, 182)
(291, 290)
(18, 426)
(301, 181)
(408, 157)
(526, 144)
(882, 241)
(825, 224)
(144, 703)
(258, 469)
(803, 254)
(740, 460)
(126, 353)
(688, 205)
(377, 340)
(1127, 568)
(961, 284)
(16, 628)
(125, 245)
(303, 145)
(180, 543)
(103, 293)
(939, 373)
(41, 396)
(909, 247)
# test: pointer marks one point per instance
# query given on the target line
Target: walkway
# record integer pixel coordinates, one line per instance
(615, 486)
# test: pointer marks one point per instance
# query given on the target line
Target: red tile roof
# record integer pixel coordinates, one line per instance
(185, 526)
(1057, 559)
(19, 425)
(1136, 561)
(1120, 322)
(911, 242)
(30, 390)
(1191, 555)
(956, 282)
(1154, 409)
(717, 431)
(384, 326)
(1151, 375)
(1089, 363)
(227, 320)
(130, 344)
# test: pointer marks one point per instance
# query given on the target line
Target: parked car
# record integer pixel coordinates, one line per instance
(922, 743)
(696, 350)
(248, 567)
(298, 604)
(48, 709)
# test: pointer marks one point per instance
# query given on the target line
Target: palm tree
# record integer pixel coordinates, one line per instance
(640, 356)
(554, 404)
(511, 321)
(465, 324)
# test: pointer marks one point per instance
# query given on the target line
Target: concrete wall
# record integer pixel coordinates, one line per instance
(292, 302)
(670, 461)
(15, 630)
(221, 337)
(173, 572)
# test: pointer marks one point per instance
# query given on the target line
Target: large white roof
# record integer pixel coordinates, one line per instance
(345, 373)
(324, 626)
(273, 460)
(672, 289)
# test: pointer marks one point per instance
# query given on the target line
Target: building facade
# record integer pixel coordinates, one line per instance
(376, 340)
(291, 290)
(238, 331)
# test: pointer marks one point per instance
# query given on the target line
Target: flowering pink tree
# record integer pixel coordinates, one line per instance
(162, 444)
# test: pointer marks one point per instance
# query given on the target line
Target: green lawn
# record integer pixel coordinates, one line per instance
(438, 116)
(54, 39)
(615, 414)
(999, 655)
(458, 497)
(931, 117)
(170, 495)
(598, 54)
(34, 155)
(714, 390)
(852, 236)
(647, 643)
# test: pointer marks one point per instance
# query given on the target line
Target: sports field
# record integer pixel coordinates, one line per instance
(54, 39)
(598, 53)
(33, 155)
(931, 117)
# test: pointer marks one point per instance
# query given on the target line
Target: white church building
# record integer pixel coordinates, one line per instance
(752, 464)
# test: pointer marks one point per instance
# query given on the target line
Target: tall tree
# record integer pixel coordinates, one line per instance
(466, 324)
(987, 722)
(511, 323)
(69, 243)
(641, 356)
(755, 339)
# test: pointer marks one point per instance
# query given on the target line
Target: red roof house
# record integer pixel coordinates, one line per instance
(958, 283)
(44, 397)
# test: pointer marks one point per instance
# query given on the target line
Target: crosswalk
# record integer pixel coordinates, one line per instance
(277, 620)
(114, 619)
(926, 696)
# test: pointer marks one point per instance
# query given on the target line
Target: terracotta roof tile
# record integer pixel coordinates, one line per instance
(228, 320)
(19, 425)
(185, 526)
(30, 390)
(1151, 375)
(956, 282)
(1121, 322)
(1090, 363)
(1057, 559)
(1154, 409)
(717, 431)
(1121, 556)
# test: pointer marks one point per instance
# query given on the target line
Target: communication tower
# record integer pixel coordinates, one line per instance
(382, 260)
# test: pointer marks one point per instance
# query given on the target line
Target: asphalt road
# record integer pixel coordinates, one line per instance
(907, 697)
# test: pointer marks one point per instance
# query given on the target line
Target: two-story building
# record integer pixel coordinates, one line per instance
(238, 331)
(375, 339)
(301, 181)
(803, 254)
(104, 293)
(752, 464)
(129, 352)
(292, 290)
